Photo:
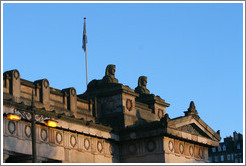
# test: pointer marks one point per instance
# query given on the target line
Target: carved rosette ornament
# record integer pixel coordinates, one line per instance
(170, 145)
(151, 145)
(86, 143)
(99, 146)
(129, 104)
(58, 137)
(73, 140)
(11, 127)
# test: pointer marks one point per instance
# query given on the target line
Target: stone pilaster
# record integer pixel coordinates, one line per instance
(13, 84)
(71, 99)
(44, 93)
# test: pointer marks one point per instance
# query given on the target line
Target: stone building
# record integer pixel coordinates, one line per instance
(109, 123)
(229, 151)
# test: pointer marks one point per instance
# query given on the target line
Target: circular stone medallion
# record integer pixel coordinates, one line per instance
(129, 104)
(87, 143)
(151, 145)
(200, 153)
(44, 134)
(191, 150)
(181, 148)
(99, 146)
(132, 149)
(58, 137)
(170, 145)
(16, 74)
(11, 127)
(28, 131)
(29, 116)
(46, 83)
(73, 140)
(160, 113)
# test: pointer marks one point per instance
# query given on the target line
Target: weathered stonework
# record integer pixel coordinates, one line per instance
(109, 123)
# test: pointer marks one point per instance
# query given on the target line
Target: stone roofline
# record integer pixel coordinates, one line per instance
(20, 90)
(80, 109)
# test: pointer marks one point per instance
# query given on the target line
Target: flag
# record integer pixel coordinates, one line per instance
(84, 36)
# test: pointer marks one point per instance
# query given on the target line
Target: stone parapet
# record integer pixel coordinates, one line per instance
(44, 96)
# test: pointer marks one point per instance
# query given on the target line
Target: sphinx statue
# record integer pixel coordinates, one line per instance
(141, 88)
(107, 79)
(110, 75)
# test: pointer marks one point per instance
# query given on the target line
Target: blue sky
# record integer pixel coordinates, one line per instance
(187, 51)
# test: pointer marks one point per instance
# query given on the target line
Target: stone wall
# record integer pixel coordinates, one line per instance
(59, 144)
(177, 151)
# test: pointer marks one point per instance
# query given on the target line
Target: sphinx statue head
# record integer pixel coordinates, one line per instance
(110, 75)
(110, 71)
(142, 82)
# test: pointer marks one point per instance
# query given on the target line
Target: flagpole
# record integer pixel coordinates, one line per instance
(86, 66)
(85, 49)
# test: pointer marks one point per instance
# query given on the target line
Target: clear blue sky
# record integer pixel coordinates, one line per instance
(187, 51)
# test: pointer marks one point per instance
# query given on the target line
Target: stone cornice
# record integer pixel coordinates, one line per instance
(56, 116)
